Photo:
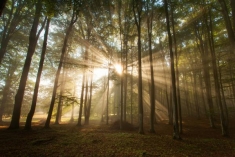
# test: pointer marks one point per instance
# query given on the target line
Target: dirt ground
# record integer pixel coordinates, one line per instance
(99, 139)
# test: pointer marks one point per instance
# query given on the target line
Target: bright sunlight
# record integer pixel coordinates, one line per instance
(118, 68)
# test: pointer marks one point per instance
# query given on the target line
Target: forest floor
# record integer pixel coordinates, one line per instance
(101, 140)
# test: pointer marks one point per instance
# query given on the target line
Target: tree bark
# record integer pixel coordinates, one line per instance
(35, 94)
(176, 134)
(224, 124)
(152, 82)
(31, 49)
(203, 49)
(89, 103)
(10, 27)
(68, 31)
(107, 99)
(60, 97)
(137, 9)
(81, 101)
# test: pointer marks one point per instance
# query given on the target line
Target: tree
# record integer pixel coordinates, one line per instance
(63, 52)
(12, 19)
(9, 80)
(35, 95)
(176, 134)
(81, 100)
(149, 6)
(224, 121)
(33, 37)
(137, 9)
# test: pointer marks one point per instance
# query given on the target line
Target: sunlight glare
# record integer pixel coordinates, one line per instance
(100, 72)
(118, 68)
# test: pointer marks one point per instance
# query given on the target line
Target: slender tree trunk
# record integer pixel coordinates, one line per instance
(125, 73)
(223, 97)
(81, 101)
(89, 103)
(152, 82)
(121, 101)
(107, 100)
(203, 48)
(125, 87)
(72, 110)
(31, 49)
(202, 94)
(73, 20)
(176, 134)
(195, 95)
(86, 98)
(137, 9)
(186, 92)
(35, 94)
(102, 112)
(224, 124)
(152, 90)
(61, 98)
(87, 114)
(132, 88)
(177, 72)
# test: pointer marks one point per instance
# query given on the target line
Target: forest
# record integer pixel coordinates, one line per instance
(117, 77)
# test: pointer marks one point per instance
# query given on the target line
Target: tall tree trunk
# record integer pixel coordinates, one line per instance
(125, 82)
(35, 94)
(107, 100)
(203, 48)
(168, 99)
(223, 97)
(86, 97)
(177, 71)
(63, 52)
(132, 65)
(176, 134)
(137, 9)
(87, 115)
(202, 94)
(60, 97)
(81, 100)
(102, 110)
(186, 93)
(72, 110)
(33, 37)
(224, 124)
(122, 77)
(195, 95)
(152, 82)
